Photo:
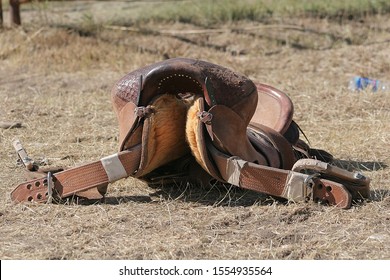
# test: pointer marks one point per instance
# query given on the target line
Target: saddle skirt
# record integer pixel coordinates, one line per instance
(186, 119)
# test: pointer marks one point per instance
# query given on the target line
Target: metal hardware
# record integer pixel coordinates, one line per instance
(50, 184)
(205, 117)
(308, 184)
(359, 176)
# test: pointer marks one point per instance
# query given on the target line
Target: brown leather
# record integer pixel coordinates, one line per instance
(74, 180)
(274, 109)
(273, 181)
(331, 193)
(181, 75)
(273, 113)
(232, 139)
(282, 148)
(356, 183)
(195, 130)
(181, 114)
(163, 136)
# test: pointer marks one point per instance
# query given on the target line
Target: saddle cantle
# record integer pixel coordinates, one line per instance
(191, 120)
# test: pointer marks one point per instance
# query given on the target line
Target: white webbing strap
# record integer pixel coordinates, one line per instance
(233, 170)
(113, 167)
(296, 187)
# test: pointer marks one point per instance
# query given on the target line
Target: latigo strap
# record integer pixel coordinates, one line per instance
(295, 186)
(79, 180)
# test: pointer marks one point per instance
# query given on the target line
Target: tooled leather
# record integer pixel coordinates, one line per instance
(265, 179)
(129, 86)
(272, 182)
(230, 87)
(181, 75)
(77, 179)
(66, 183)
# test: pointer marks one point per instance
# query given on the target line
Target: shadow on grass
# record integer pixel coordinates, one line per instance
(111, 200)
(228, 195)
(376, 195)
(379, 195)
(217, 195)
(352, 165)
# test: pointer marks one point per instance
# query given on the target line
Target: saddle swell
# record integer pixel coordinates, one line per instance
(180, 75)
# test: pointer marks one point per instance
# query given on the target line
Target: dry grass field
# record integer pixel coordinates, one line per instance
(56, 73)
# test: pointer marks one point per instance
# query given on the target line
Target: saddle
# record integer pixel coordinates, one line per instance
(190, 120)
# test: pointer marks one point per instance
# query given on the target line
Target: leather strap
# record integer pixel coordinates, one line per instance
(355, 182)
(287, 184)
(78, 179)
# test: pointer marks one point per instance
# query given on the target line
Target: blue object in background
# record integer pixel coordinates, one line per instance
(360, 83)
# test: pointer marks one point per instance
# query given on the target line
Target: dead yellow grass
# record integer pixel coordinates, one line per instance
(57, 83)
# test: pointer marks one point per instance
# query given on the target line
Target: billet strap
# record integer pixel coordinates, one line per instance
(356, 183)
(288, 184)
(79, 179)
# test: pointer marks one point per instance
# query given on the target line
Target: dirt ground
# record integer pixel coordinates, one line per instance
(55, 81)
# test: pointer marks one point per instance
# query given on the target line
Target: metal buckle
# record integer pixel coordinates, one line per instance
(308, 184)
(50, 184)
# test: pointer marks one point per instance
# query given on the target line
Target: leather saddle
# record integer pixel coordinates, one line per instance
(190, 120)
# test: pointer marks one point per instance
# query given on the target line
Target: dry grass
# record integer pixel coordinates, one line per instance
(57, 82)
